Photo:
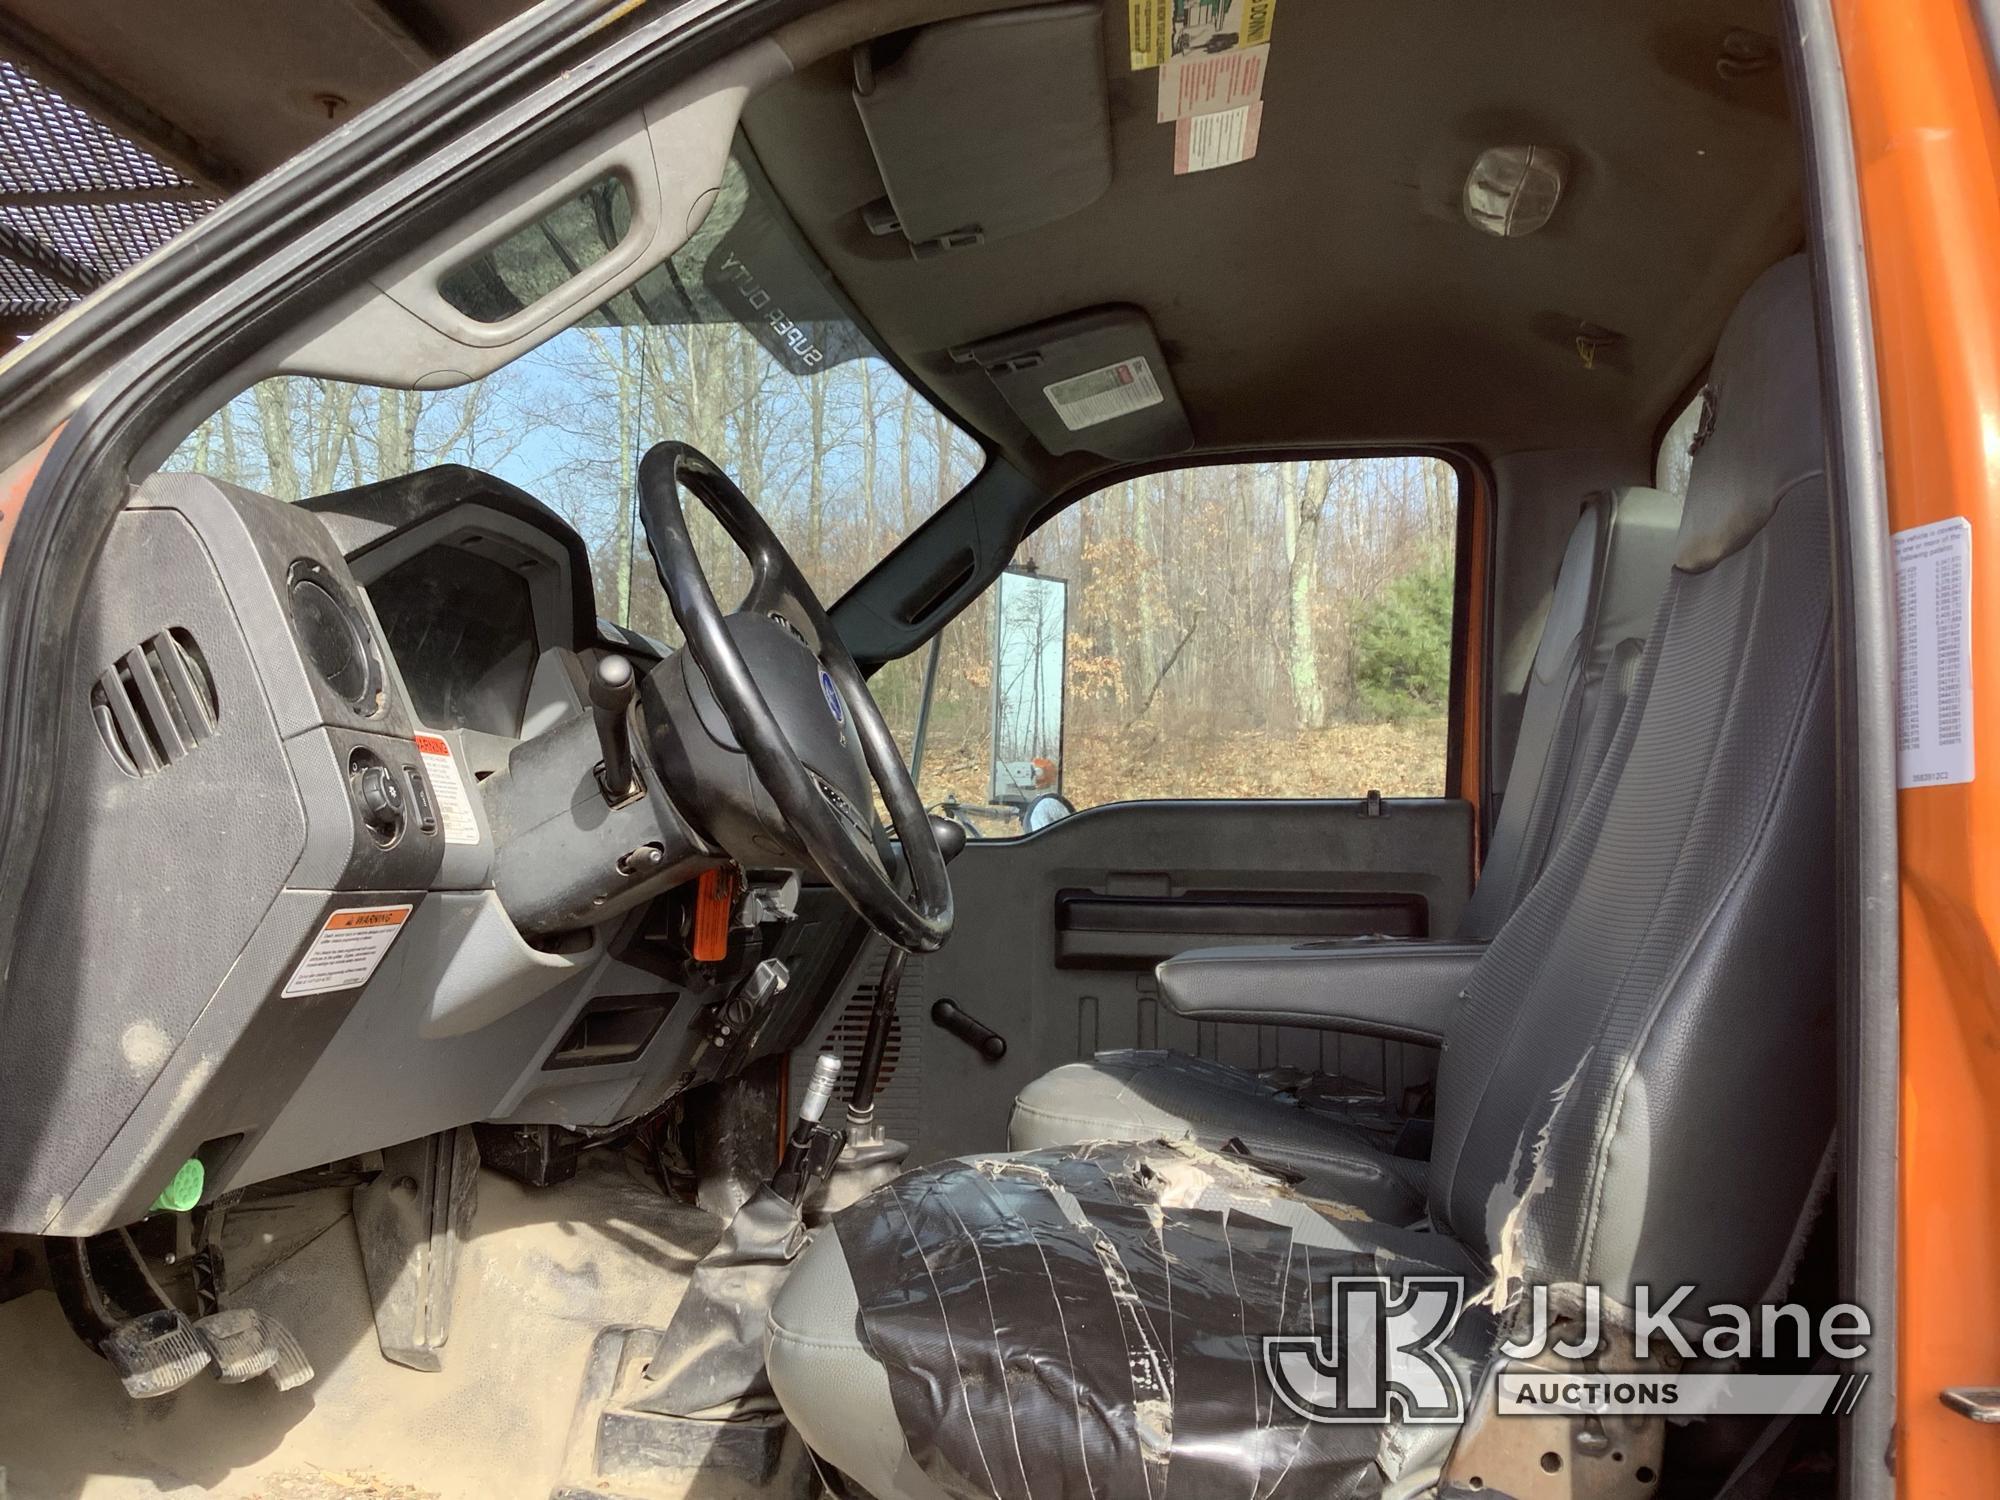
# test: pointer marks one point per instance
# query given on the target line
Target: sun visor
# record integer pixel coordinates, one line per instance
(986, 126)
(1089, 382)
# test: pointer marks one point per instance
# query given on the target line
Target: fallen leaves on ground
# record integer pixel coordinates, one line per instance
(315, 1483)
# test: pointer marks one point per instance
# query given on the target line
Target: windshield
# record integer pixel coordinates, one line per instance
(736, 344)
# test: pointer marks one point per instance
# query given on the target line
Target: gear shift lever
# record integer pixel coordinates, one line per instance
(613, 685)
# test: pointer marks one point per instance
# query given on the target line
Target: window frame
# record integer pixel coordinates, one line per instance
(1472, 591)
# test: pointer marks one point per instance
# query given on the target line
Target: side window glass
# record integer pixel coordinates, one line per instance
(1231, 630)
(1676, 456)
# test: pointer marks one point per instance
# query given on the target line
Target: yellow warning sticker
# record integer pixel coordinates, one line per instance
(349, 947)
(1162, 29)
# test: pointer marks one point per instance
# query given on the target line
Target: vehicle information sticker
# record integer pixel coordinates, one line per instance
(1162, 29)
(1114, 391)
(1934, 653)
(347, 950)
(1205, 85)
(1204, 142)
(454, 804)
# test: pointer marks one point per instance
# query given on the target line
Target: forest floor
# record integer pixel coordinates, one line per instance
(1133, 761)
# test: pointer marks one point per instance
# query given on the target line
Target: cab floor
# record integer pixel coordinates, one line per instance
(541, 1273)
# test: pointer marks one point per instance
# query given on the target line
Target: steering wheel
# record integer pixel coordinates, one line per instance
(771, 743)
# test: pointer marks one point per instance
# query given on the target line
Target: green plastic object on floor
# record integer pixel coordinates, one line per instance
(184, 1192)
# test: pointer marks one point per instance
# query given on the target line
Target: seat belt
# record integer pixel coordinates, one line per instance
(1763, 1463)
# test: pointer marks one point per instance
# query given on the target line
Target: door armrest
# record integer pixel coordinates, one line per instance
(1404, 990)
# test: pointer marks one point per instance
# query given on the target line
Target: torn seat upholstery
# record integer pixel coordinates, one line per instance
(1606, 594)
(1635, 1090)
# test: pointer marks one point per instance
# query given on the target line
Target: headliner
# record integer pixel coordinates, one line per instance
(1329, 291)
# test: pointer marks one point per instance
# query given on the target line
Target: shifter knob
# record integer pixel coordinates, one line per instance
(613, 685)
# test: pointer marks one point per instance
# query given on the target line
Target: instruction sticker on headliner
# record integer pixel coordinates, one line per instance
(1114, 391)
(454, 805)
(1204, 142)
(347, 951)
(1934, 653)
(1207, 85)
(1159, 30)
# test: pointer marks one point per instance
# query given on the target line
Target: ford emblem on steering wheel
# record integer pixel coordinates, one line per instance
(833, 705)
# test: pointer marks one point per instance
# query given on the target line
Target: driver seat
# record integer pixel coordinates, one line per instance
(1637, 1090)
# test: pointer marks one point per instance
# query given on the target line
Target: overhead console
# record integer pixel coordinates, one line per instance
(620, 203)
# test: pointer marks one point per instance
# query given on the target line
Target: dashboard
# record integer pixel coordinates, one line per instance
(343, 875)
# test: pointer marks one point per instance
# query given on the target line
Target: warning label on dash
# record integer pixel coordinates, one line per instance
(454, 804)
(348, 950)
(1934, 654)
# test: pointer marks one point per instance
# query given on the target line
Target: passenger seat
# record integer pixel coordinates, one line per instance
(1607, 590)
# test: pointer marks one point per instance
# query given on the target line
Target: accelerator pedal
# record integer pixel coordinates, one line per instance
(291, 1369)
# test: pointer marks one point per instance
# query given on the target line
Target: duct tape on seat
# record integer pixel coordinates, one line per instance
(1088, 1324)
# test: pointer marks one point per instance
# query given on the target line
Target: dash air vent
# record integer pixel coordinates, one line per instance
(155, 703)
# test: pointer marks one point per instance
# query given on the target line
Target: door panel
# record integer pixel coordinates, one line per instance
(1058, 932)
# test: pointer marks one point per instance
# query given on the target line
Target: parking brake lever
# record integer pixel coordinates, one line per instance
(613, 685)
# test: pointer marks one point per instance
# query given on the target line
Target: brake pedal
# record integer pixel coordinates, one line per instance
(119, 1311)
(246, 1343)
(236, 1340)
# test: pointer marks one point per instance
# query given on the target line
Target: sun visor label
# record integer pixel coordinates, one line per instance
(347, 951)
(454, 802)
(1114, 391)
(1934, 654)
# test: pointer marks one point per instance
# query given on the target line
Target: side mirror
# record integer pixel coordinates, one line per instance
(1030, 656)
(1051, 807)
